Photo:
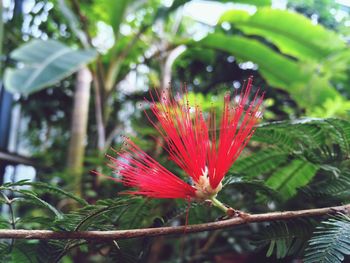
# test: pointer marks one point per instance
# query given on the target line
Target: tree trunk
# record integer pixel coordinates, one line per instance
(77, 141)
(169, 61)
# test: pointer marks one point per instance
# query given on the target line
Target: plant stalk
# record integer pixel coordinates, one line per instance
(219, 205)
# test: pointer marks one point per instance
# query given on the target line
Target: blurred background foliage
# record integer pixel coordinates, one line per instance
(74, 78)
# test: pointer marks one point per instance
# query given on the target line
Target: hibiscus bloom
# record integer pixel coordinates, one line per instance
(194, 144)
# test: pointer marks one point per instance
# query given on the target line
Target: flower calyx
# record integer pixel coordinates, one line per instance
(204, 190)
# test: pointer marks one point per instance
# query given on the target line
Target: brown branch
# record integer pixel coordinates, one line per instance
(161, 231)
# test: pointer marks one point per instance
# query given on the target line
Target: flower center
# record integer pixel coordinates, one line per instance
(204, 190)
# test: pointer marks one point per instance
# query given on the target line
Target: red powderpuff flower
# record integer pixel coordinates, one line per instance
(193, 144)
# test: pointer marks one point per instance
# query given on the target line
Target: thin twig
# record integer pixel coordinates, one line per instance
(66, 249)
(161, 231)
(12, 215)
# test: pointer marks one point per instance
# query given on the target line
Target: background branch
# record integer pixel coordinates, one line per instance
(161, 231)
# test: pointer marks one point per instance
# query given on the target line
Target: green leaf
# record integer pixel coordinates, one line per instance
(291, 177)
(52, 250)
(320, 141)
(336, 187)
(47, 188)
(256, 3)
(264, 161)
(297, 150)
(4, 251)
(292, 33)
(330, 241)
(36, 200)
(252, 2)
(24, 251)
(73, 22)
(44, 63)
(41, 187)
(248, 186)
(116, 11)
(4, 223)
(278, 70)
(302, 80)
(13, 184)
(285, 237)
(163, 12)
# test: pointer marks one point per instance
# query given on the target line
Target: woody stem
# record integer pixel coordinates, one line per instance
(218, 204)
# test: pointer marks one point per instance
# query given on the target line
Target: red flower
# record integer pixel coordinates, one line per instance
(193, 145)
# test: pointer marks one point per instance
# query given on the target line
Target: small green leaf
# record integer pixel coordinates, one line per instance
(330, 241)
(31, 195)
(285, 237)
(264, 161)
(291, 177)
(44, 187)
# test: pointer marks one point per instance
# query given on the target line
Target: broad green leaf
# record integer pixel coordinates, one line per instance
(278, 70)
(257, 3)
(44, 63)
(116, 11)
(111, 12)
(303, 80)
(73, 22)
(291, 177)
(292, 33)
(163, 12)
(314, 93)
(252, 2)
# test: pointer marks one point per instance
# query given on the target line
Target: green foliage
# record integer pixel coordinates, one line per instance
(45, 63)
(292, 33)
(287, 165)
(28, 196)
(278, 70)
(253, 2)
(336, 186)
(266, 161)
(306, 137)
(298, 79)
(41, 188)
(291, 177)
(116, 12)
(297, 151)
(108, 214)
(291, 53)
(330, 242)
(300, 150)
(245, 186)
(285, 238)
(322, 8)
